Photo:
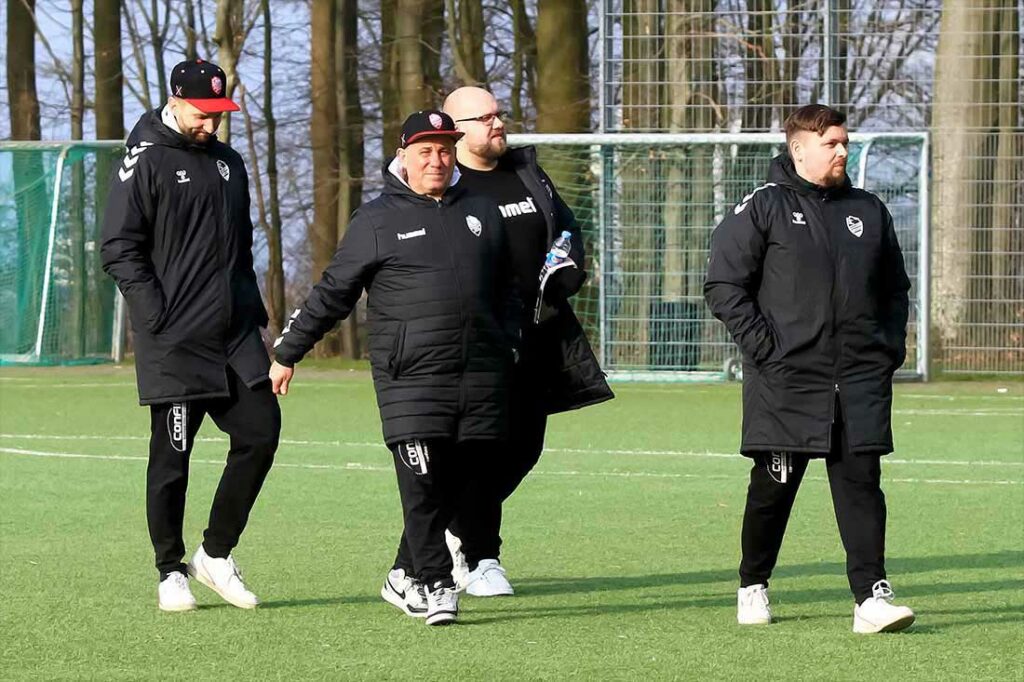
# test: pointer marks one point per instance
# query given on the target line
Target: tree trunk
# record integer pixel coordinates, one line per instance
(391, 117)
(964, 113)
(274, 282)
(190, 30)
(759, 62)
(21, 70)
(323, 234)
(79, 271)
(413, 91)
(524, 62)
(465, 19)
(350, 141)
(229, 38)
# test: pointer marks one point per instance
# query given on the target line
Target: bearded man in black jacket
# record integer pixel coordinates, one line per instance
(808, 277)
(441, 316)
(557, 370)
(177, 239)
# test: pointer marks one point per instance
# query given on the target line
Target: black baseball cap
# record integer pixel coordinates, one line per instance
(426, 123)
(201, 84)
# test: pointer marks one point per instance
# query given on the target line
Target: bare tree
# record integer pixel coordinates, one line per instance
(21, 70)
(350, 140)
(229, 37)
(524, 60)
(275, 278)
(465, 21)
(323, 234)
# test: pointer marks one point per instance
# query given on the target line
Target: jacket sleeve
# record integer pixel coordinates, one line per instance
(246, 266)
(738, 248)
(569, 281)
(332, 299)
(128, 241)
(896, 303)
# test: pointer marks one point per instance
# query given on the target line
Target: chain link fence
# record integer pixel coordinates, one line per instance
(951, 69)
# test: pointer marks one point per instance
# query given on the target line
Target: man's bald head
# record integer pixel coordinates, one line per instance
(476, 114)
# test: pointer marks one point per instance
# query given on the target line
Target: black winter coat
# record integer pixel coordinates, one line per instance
(572, 377)
(441, 311)
(811, 284)
(177, 239)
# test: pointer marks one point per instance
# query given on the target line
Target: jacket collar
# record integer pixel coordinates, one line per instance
(395, 183)
(782, 171)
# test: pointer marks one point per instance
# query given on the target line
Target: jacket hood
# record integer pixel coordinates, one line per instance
(782, 171)
(395, 184)
(159, 127)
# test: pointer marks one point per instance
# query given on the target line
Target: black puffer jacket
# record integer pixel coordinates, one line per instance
(177, 239)
(570, 376)
(441, 311)
(811, 284)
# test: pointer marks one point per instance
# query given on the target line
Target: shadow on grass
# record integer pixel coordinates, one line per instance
(354, 600)
(507, 610)
(897, 566)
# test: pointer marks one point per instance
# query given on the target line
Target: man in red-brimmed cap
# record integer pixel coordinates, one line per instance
(442, 320)
(177, 239)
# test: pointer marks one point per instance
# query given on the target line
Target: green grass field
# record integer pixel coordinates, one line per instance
(622, 545)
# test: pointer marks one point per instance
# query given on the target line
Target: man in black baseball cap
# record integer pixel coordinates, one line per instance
(177, 239)
(442, 316)
(201, 84)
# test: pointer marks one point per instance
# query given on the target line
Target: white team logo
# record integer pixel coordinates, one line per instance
(225, 171)
(216, 85)
(798, 218)
(474, 224)
(855, 225)
(436, 121)
(177, 426)
(416, 455)
(780, 466)
(182, 176)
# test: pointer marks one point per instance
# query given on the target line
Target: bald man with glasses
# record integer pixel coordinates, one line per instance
(557, 370)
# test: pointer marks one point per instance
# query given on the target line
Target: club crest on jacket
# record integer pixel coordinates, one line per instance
(474, 225)
(225, 170)
(855, 225)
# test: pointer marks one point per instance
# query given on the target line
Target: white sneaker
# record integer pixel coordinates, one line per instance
(752, 606)
(174, 594)
(405, 593)
(488, 580)
(223, 577)
(878, 614)
(460, 569)
(442, 605)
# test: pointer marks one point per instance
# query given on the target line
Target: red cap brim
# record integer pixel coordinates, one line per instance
(454, 134)
(213, 105)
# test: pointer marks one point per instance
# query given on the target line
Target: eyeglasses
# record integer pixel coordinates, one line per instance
(486, 119)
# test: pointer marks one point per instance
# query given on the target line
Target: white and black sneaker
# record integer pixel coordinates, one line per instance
(442, 604)
(877, 613)
(405, 593)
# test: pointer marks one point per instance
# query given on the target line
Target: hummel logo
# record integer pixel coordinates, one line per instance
(798, 218)
(182, 176)
(422, 232)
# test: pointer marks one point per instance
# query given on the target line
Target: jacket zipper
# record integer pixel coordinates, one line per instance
(835, 329)
(462, 317)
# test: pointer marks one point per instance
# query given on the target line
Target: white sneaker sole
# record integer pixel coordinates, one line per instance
(754, 621)
(177, 608)
(399, 603)
(864, 627)
(442, 618)
(201, 577)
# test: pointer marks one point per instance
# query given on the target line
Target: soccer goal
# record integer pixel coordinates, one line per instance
(648, 204)
(56, 304)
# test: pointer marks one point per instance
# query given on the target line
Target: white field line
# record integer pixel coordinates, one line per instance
(356, 466)
(584, 451)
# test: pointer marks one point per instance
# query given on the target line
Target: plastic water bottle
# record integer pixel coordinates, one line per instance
(560, 249)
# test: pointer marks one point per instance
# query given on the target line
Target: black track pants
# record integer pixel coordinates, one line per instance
(252, 420)
(857, 498)
(430, 482)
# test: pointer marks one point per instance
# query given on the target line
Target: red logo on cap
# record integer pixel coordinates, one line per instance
(436, 121)
(217, 85)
